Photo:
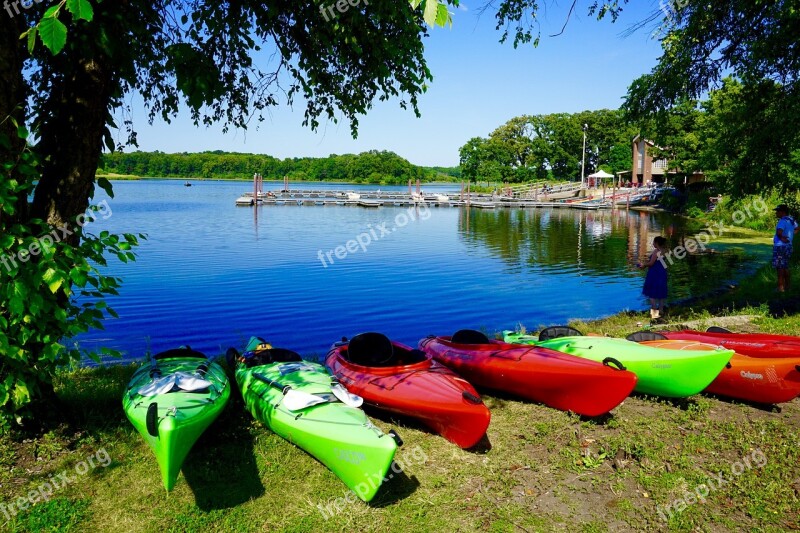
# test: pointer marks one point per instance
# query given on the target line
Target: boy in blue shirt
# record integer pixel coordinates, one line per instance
(782, 245)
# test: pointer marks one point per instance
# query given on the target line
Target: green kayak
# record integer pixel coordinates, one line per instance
(661, 372)
(300, 401)
(172, 401)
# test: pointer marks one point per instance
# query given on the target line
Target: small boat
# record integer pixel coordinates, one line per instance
(172, 402)
(670, 373)
(187, 184)
(442, 198)
(398, 379)
(301, 402)
(766, 380)
(245, 200)
(751, 344)
(353, 196)
(561, 381)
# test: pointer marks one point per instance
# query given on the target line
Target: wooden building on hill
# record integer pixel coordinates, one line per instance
(646, 169)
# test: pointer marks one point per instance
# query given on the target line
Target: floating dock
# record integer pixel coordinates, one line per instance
(568, 196)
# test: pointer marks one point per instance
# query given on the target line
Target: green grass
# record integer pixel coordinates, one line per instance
(544, 469)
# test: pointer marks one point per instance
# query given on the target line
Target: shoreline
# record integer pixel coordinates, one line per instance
(133, 177)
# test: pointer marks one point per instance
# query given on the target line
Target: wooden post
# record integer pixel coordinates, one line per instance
(418, 189)
(468, 193)
(409, 186)
(255, 189)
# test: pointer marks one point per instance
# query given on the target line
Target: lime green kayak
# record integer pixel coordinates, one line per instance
(661, 372)
(172, 401)
(340, 436)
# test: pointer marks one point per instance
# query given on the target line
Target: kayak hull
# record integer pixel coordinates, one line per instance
(672, 373)
(340, 437)
(753, 379)
(425, 390)
(561, 381)
(181, 417)
(750, 344)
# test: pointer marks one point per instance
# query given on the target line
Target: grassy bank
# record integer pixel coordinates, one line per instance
(539, 470)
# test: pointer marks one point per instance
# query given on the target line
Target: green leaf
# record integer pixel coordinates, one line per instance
(443, 17)
(80, 9)
(431, 7)
(104, 184)
(53, 34)
(55, 285)
(32, 33)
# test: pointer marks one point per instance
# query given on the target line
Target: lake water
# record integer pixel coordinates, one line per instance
(212, 274)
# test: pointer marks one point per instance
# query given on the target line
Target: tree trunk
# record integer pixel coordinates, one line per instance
(72, 136)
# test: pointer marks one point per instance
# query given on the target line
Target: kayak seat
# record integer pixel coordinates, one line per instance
(270, 356)
(717, 329)
(406, 357)
(644, 336)
(180, 353)
(370, 349)
(555, 332)
(469, 336)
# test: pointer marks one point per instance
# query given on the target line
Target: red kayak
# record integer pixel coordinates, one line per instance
(759, 379)
(553, 378)
(752, 344)
(398, 379)
(754, 379)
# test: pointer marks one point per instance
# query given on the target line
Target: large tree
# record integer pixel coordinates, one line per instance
(227, 62)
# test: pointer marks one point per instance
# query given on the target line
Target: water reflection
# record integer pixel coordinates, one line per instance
(592, 243)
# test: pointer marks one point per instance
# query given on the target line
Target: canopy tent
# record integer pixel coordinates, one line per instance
(598, 176)
(601, 174)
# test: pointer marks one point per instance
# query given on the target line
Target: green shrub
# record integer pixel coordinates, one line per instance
(50, 290)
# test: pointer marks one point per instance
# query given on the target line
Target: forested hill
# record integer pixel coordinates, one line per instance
(368, 167)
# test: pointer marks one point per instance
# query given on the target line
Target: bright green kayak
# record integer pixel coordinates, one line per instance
(661, 372)
(340, 436)
(172, 401)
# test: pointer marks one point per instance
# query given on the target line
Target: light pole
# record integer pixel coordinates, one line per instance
(583, 154)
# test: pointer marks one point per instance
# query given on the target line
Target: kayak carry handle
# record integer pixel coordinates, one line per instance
(152, 419)
(283, 388)
(201, 369)
(395, 437)
(728, 365)
(609, 361)
(797, 367)
(471, 398)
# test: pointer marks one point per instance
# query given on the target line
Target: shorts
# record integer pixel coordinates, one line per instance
(781, 256)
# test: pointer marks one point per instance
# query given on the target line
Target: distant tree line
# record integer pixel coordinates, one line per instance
(368, 167)
(540, 147)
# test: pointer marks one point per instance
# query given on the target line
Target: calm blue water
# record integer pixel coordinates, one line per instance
(212, 274)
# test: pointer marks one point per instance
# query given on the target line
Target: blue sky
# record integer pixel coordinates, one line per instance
(478, 85)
